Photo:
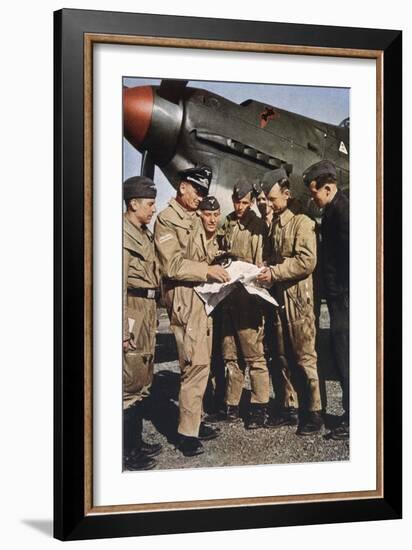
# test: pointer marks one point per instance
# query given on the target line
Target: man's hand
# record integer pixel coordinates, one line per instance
(217, 273)
(128, 344)
(265, 277)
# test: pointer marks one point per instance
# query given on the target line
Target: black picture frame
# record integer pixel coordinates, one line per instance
(72, 520)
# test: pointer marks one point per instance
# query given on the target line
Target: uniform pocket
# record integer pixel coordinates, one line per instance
(134, 317)
(182, 305)
(300, 300)
(287, 247)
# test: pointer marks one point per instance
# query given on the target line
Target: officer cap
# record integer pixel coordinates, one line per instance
(270, 178)
(209, 203)
(243, 186)
(139, 187)
(322, 168)
(257, 187)
(199, 176)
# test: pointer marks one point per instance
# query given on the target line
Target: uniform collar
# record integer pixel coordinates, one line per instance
(180, 211)
(134, 232)
(284, 218)
(131, 230)
(329, 207)
(245, 221)
(203, 239)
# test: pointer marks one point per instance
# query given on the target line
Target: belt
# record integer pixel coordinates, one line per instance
(173, 283)
(152, 293)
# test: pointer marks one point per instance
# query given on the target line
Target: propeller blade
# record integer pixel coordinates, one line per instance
(172, 90)
(148, 166)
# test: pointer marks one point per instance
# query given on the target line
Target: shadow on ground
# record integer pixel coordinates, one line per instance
(163, 405)
(237, 446)
(165, 348)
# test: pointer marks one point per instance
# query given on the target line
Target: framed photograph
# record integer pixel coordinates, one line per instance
(202, 383)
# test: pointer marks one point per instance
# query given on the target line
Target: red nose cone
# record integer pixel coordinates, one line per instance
(137, 113)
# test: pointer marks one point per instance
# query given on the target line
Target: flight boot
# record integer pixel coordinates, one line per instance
(232, 414)
(149, 449)
(257, 416)
(133, 457)
(341, 432)
(311, 424)
(207, 432)
(284, 417)
(190, 446)
(136, 460)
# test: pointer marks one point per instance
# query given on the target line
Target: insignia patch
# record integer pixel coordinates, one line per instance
(130, 323)
(165, 238)
(268, 114)
(342, 148)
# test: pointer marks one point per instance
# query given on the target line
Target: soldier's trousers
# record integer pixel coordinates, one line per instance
(339, 330)
(138, 363)
(194, 347)
(294, 366)
(243, 333)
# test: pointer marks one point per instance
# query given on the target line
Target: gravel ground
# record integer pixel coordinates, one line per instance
(235, 445)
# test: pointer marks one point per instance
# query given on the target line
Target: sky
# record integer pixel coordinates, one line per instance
(326, 104)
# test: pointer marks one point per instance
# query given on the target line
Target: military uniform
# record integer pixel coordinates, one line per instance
(140, 287)
(293, 241)
(335, 247)
(210, 246)
(183, 253)
(215, 391)
(140, 290)
(243, 315)
(335, 270)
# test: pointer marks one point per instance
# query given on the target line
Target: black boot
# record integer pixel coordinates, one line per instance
(257, 416)
(312, 423)
(133, 458)
(284, 417)
(341, 432)
(190, 446)
(149, 449)
(207, 432)
(218, 415)
(136, 460)
(232, 414)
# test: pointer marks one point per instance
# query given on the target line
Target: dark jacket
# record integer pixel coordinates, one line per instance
(335, 246)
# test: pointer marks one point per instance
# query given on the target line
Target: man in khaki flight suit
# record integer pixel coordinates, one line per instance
(243, 237)
(265, 210)
(140, 291)
(183, 255)
(266, 214)
(293, 243)
(209, 212)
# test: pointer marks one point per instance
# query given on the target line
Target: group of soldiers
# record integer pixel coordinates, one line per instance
(185, 251)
